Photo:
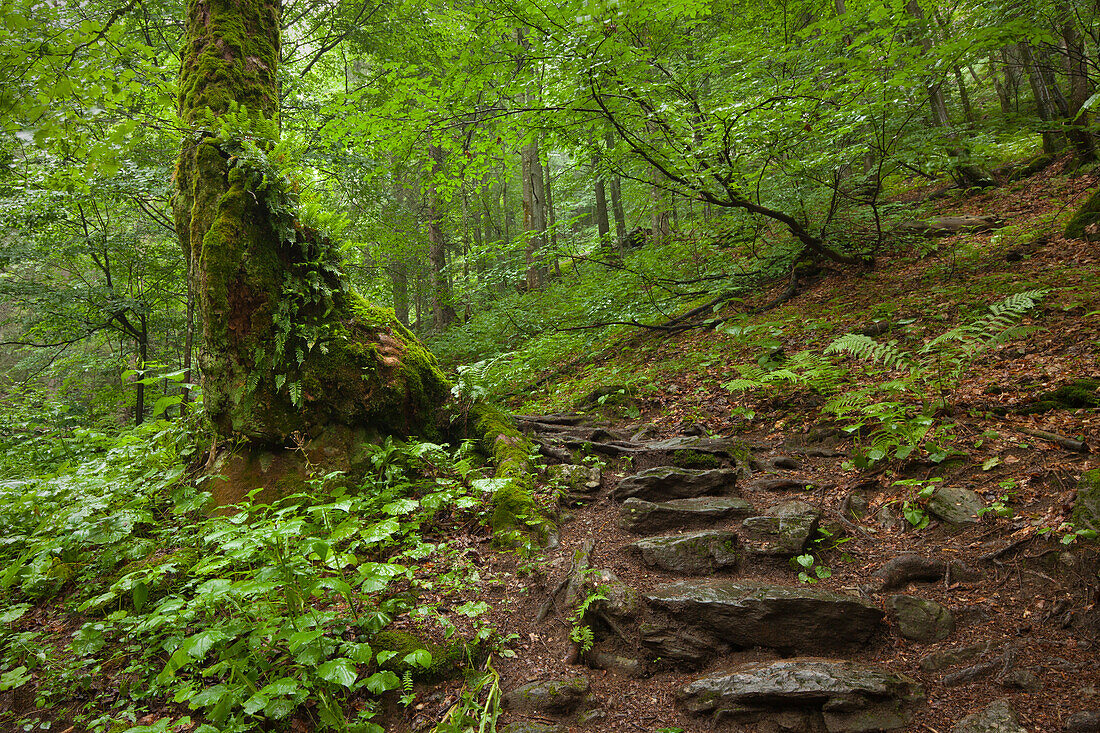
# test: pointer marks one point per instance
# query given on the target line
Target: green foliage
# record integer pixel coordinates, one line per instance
(918, 492)
(580, 633)
(242, 618)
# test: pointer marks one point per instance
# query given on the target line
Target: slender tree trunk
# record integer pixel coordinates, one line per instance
(1077, 73)
(534, 213)
(1054, 141)
(603, 225)
(964, 95)
(443, 312)
(614, 183)
(552, 220)
(143, 359)
(967, 173)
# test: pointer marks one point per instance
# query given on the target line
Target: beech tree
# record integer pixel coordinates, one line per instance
(288, 347)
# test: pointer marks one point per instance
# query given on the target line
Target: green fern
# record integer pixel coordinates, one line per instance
(864, 347)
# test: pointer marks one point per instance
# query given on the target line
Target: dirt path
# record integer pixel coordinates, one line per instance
(698, 616)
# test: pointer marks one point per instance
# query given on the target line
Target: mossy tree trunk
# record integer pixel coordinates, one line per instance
(287, 347)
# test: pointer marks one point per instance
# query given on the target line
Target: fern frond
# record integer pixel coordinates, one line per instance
(866, 348)
(743, 385)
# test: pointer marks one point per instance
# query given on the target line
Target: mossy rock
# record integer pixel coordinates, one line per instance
(161, 574)
(1086, 508)
(613, 399)
(1078, 394)
(1089, 213)
(446, 662)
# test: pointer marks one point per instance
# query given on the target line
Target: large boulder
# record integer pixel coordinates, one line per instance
(839, 696)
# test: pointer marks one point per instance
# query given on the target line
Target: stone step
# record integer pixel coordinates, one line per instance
(808, 694)
(667, 482)
(783, 530)
(692, 553)
(692, 621)
(643, 517)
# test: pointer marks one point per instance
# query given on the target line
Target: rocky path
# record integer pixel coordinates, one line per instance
(674, 600)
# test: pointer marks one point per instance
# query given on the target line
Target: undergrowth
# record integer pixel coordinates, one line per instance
(125, 601)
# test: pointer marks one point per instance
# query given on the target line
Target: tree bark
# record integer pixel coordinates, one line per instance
(1054, 141)
(965, 172)
(288, 348)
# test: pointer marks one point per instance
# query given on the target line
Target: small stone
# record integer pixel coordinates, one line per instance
(589, 717)
(785, 463)
(625, 666)
(1086, 721)
(552, 696)
(886, 518)
(580, 479)
(908, 568)
(620, 601)
(956, 505)
(528, 726)
(695, 553)
(997, 717)
(1021, 679)
(941, 660)
(854, 506)
(922, 619)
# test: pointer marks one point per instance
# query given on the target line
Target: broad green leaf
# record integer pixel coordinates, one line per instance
(338, 671)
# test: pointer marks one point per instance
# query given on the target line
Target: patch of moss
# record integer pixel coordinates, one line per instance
(1078, 394)
(446, 660)
(695, 459)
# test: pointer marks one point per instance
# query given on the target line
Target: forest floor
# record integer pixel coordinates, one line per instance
(1028, 591)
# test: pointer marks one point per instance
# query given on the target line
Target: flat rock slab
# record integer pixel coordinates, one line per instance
(997, 717)
(666, 482)
(839, 696)
(956, 505)
(693, 553)
(784, 529)
(641, 517)
(744, 614)
(727, 448)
